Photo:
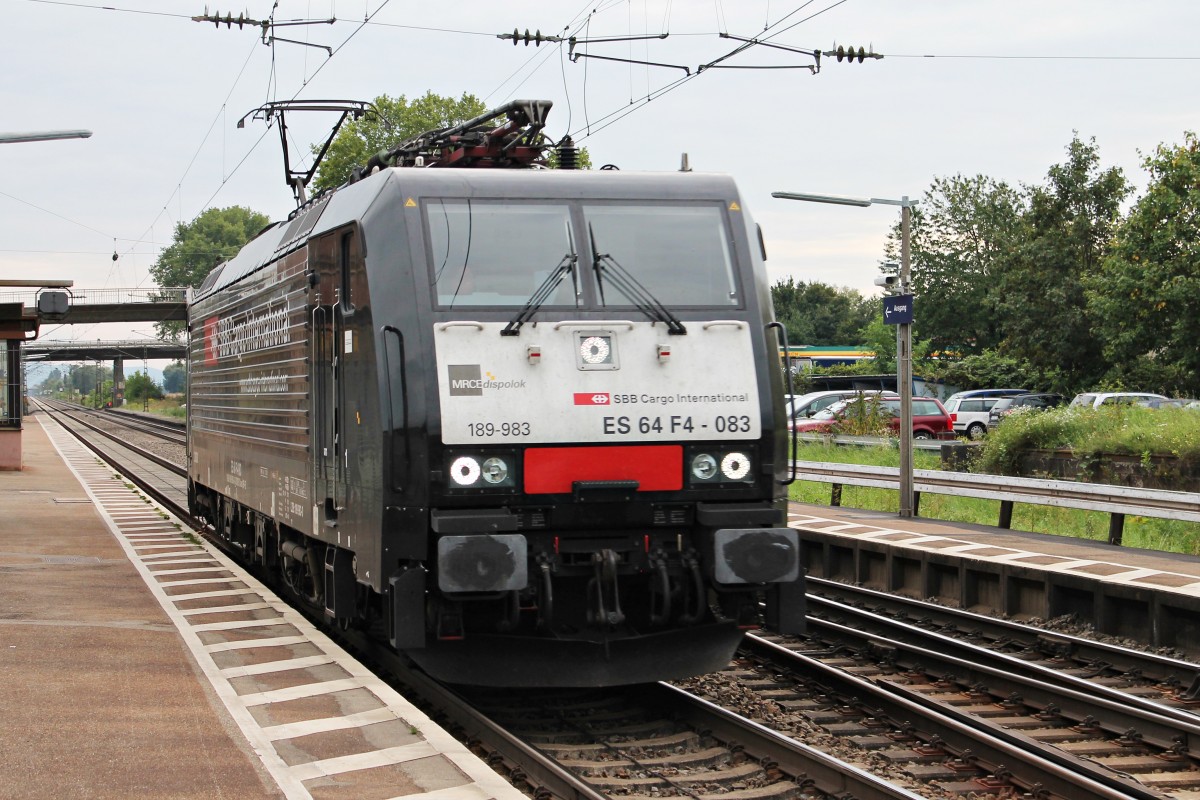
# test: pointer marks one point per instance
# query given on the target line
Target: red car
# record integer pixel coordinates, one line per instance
(931, 420)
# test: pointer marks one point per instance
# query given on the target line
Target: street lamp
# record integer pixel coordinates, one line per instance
(903, 330)
(42, 136)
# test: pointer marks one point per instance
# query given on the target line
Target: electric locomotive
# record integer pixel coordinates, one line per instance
(527, 423)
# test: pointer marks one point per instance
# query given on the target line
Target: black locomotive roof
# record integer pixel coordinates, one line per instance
(354, 201)
(570, 184)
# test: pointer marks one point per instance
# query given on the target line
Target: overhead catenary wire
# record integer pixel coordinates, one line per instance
(621, 113)
(109, 8)
(203, 140)
(226, 178)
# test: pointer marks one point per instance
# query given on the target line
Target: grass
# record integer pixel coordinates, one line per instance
(167, 407)
(1128, 430)
(1145, 532)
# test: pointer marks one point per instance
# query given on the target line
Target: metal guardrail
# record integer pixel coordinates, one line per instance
(1117, 501)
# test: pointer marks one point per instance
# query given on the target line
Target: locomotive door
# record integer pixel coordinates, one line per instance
(332, 256)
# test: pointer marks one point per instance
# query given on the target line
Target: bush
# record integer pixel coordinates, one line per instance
(139, 386)
(1125, 430)
(864, 416)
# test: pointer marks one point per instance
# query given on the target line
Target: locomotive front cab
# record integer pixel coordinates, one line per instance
(605, 437)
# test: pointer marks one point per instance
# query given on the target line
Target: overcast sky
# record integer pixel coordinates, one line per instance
(966, 86)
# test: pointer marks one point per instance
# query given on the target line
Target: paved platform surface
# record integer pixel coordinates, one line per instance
(1098, 560)
(134, 662)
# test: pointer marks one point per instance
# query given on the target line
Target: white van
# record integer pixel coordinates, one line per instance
(972, 408)
(1097, 399)
(971, 414)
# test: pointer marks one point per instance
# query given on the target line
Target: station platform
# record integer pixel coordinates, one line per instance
(1147, 596)
(137, 662)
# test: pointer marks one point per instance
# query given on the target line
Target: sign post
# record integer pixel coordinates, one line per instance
(901, 310)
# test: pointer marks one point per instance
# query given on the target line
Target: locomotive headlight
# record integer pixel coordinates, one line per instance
(482, 472)
(704, 467)
(465, 471)
(594, 350)
(720, 466)
(735, 466)
(495, 470)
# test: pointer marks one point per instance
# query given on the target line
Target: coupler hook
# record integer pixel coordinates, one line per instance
(604, 565)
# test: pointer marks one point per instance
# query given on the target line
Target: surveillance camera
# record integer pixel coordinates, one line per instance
(888, 281)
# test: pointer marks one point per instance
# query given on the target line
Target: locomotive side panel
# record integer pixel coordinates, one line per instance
(347, 446)
(248, 394)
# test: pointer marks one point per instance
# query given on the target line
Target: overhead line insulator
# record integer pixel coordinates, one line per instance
(216, 19)
(535, 38)
(843, 53)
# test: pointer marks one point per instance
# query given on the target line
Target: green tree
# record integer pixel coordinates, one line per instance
(880, 338)
(140, 386)
(54, 382)
(987, 370)
(84, 378)
(821, 315)
(961, 234)
(175, 378)
(1145, 301)
(199, 246)
(1040, 297)
(398, 120)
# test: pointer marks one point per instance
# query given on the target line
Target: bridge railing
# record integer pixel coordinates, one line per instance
(95, 297)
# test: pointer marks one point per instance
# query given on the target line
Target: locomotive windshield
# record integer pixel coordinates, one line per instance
(491, 254)
(498, 254)
(679, 254)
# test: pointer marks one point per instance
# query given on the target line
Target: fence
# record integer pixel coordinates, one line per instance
(1117, 501)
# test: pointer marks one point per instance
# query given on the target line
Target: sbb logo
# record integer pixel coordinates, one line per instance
(591, 399)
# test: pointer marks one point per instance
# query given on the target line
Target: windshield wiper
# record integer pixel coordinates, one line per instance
(542, 293)
(605, 266)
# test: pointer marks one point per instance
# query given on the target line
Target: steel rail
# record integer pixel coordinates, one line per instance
(1151, 666)
(1052, 769)
(151, 489)
(173, 431)
(531, 765)
(1038, 686)
(535, 767)
(146, 454)
(826, 773)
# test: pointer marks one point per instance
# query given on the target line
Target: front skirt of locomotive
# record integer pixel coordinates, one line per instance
(520, 661)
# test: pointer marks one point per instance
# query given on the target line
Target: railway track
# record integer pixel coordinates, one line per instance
(734, 758)
(936, 710)
(892, 706)
(115, 419)
(1156, 682)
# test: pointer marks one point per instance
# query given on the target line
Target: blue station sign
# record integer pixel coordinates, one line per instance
(898, 309)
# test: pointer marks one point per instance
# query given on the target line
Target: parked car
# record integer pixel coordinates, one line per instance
(1174, 402)
(931, 420)
(805, 406)
(985, 393)
(971, 413)
(1097, 399)
(1031, 402)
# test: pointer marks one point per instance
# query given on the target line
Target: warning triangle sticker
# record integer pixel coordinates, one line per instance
(410, 203)
(734, 206)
